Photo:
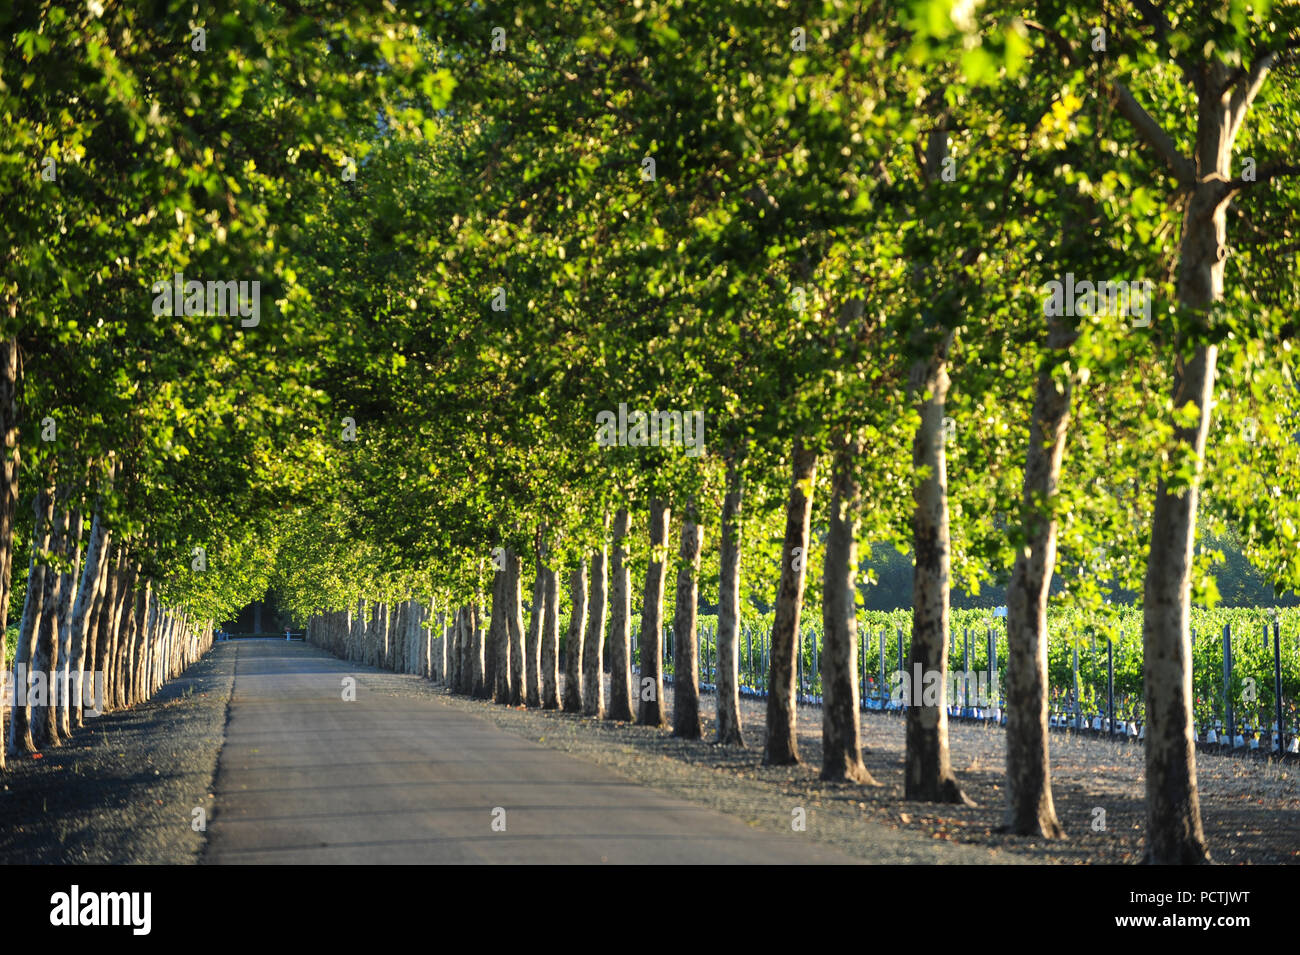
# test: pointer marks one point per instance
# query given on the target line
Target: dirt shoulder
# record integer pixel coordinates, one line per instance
(124, 788)
(1250, 807)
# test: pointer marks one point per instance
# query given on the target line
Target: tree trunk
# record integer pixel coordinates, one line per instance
(1175, 834)
(90, 652)
(478, 658)
(573, 639)
(551, 642)
(500, 635)
(1030, 810)
(8, 499)
(620, 625)
(650, 686)
(395, 622)
(928, 774)
(782, 744)
(515, 626)
(841, 744)
(140, 633)
(106, 624)
(126, 623)
(593, 647)
(465, 640)
(20, 729)
(461, 641)
(686, 644)
(533, 648)
(67, 595)
(148, 638)
(440, 652)
(728, 682)
(422, 634)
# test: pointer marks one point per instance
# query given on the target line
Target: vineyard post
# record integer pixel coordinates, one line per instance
(902, 664)
(880, 690)
(1227, 680)
(1078, 706)
(1277, 683)
(965, 667)
(862, 658)
(993, 659)
(713, 655)
(816, 667)
(1110, 687)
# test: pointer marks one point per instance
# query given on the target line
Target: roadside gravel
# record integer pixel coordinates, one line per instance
(728, 780)
(1250, 807)
(124, 788)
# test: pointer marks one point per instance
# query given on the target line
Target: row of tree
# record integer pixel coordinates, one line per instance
(143, 457)
(822, 230)
(829, 229)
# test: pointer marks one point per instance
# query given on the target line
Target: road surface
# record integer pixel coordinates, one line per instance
(307, 777)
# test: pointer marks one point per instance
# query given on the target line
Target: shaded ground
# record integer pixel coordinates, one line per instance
(1250, 807)
(124, 788)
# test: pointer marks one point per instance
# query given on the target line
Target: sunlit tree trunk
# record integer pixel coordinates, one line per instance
(650, 686)
(782, 743)
(593, 647)
(515, 626)
(573, 639)
(928, 771)
(86, 639)
(728, 681)
(499, 634)
(126, 632)
(1030, 810)
(1175, 834)
(841, 743)
(45, 728)
(686, 645)
(533, 647)
(440, 655)
(620, 625)
(20, 728)
(478, 659)
(106, 623)
(67, 595)
(551, 642)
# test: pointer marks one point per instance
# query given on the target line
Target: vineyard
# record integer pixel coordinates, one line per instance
(1091, 661)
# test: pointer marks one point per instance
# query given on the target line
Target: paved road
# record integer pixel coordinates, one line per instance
(305, 777)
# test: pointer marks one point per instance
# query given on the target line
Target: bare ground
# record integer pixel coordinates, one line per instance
(1250, 806)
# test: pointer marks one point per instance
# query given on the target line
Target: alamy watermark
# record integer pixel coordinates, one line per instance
(657, 429)
(26, 687)
(177, 297)
(925, 687)
(1126, 299)
(77, 908)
